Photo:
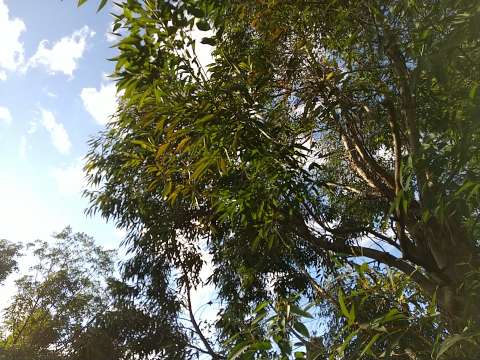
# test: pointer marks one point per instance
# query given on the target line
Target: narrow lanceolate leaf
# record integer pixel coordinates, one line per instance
(366, 349)
(81, 2)
(198, 13)
(298, 311)
(453, 340)
(473, 91)
(238, 351)
(208, 41)
(102, 5)
(343, 306)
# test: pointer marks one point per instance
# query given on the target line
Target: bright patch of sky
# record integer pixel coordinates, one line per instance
(100, 102)
(53, 97)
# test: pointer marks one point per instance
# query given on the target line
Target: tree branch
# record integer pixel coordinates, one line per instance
(339, 248)
(359, 168)
(204, 340)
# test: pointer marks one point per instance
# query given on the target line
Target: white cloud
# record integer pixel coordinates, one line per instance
(100, 104)
(49, 93)
(5, 114)
(11, 49)
(58, 134)
(63, 56)
(32, 127)
(70, 180)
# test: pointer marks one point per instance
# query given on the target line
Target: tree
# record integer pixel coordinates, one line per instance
(8, 262)
(367, 315)
(322, 130)
(58, 299)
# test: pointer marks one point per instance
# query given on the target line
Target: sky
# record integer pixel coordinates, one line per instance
(54, 96)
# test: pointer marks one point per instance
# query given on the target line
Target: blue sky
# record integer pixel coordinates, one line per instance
(54, 95)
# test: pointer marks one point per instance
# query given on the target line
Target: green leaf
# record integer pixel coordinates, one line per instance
(261, 345)
(204, 119)
(201, 167)
(473, 91)
(241, 348)
(393, 315)
(297, 311)
(102, 5)
(238, 350)
(81, 2)
(451, 341)
(367, 348)
(261, 306)
(301, 328)
(343, 307)
(198, 13)
(209, 41)
(203, 25)
(346, 342)
(299, 355)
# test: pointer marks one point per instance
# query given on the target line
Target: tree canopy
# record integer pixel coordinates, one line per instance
(60, 297)
(327, 156)
(8, 258)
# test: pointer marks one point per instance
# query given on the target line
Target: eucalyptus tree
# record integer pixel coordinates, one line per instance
(321, 130)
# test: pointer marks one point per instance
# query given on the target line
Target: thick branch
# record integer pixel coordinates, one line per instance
(382, 257)
(397, 150)
(321, 244)
(344, 231)
(369, 160)
(359, 168)
(409, 106)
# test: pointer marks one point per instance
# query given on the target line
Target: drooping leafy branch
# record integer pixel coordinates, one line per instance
(321, 130)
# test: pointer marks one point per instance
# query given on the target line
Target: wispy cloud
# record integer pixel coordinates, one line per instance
(32, 127)
(64, 55)
(11, 49)
(70, 179)
(101, 103)
(58, 134)
(5, 114)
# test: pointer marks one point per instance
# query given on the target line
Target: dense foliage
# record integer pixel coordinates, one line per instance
(323, 170)
(8, 260)
(59, 297)
(323, 132)
(70, 306)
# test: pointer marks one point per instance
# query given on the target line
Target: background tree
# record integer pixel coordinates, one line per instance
(8, 262)
(58, 299)
(71, 307)
(323, 130)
